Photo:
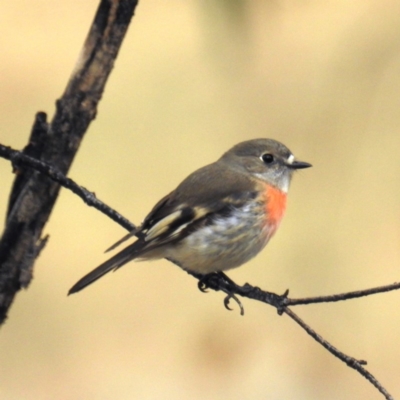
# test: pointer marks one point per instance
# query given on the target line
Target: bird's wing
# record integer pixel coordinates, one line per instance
(193, 203)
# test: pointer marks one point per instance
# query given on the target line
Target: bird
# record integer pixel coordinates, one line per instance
(218, 218)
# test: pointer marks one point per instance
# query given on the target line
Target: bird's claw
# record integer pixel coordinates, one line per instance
(227, 300)
(208, 281)
(202, 285)
(212, 280)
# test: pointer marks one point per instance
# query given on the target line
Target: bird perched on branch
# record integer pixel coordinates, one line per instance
(219, 217)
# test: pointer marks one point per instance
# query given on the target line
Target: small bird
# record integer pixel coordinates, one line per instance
(219, 217)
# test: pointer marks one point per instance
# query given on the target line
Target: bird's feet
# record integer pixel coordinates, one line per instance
(220, 281)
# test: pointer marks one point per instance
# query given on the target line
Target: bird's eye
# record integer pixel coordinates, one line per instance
(267, 158)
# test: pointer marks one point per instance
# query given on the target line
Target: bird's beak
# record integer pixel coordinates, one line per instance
(299, 165)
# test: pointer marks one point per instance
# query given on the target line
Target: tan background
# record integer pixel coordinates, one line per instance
(192, 79)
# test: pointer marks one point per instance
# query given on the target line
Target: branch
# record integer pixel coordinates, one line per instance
(56, 143)
(344, 296)
(19, 160)
(350, 361)
(219, 281)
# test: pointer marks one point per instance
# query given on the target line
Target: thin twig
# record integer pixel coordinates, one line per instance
(344, 296)
(349, 361)
(19, 159)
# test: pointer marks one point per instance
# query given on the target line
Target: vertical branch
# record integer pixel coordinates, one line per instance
(33, 195)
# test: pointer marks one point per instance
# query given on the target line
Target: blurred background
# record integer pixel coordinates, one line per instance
(192, 79)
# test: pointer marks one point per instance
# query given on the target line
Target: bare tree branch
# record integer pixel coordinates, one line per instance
(219, 281)
(34, 194)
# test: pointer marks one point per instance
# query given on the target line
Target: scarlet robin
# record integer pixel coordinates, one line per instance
(219, 217)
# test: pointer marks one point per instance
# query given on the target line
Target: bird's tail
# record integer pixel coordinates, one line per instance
(121, 258)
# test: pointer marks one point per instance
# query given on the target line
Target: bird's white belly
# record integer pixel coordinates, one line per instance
(226, 243)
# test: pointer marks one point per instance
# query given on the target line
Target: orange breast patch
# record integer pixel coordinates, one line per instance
(276, 204)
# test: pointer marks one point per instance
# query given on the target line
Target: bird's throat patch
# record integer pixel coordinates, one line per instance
(276, 204)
